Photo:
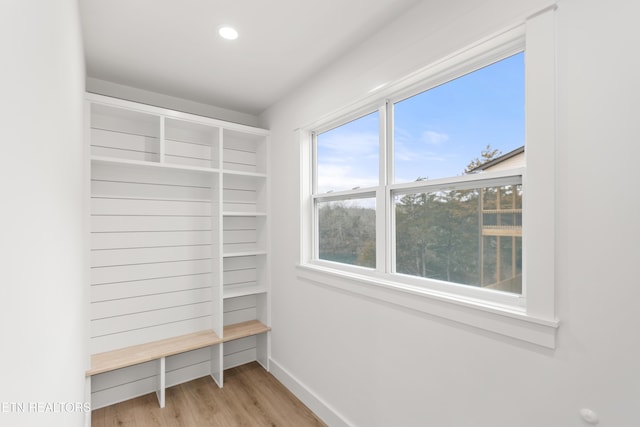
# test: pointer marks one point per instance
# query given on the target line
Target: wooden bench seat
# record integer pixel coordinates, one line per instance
(159, 350)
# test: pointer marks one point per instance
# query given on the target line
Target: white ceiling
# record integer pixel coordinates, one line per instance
(172, 46)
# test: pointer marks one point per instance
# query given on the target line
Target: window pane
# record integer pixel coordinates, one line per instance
(439, 133)
(471, 237)
(347, 231)
(348, 155)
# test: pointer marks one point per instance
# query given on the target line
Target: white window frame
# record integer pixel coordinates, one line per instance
(530, 316)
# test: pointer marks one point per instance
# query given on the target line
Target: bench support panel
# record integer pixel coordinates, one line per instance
(161, 381)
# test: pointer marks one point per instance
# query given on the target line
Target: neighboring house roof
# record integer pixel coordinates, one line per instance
(495, 162)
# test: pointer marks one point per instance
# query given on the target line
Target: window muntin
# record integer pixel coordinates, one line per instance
(347, 156)
(347, 231)
(438, 132)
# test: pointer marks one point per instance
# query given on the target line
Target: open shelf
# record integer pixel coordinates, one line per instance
(244, 329)
(151, 164)
(241, 173)
(235, 291)
(241, 254)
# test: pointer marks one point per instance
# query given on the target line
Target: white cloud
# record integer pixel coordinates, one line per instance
(351, 145)
(347, 160)
(434, 138)
(343, 177)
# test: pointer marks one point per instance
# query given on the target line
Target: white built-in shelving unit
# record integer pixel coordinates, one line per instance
(178, 239)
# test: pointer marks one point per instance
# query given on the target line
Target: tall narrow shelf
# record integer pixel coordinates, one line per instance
(244, 243)
(178, 239)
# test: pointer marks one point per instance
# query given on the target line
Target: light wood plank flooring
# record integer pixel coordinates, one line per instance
(250, 397)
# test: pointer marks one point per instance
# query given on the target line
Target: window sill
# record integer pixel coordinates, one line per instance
(503, 320)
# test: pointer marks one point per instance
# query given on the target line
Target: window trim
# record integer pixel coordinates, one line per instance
(534, 321)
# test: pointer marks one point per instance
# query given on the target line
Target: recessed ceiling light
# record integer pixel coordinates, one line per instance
(228, 33)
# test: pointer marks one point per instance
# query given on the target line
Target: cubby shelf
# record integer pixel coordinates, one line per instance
(178, 225)
(240, 173)
(148, 164)
(245, 253)
(249, 214)
(240, 291)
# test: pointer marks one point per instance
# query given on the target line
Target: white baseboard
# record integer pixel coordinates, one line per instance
(323, 410)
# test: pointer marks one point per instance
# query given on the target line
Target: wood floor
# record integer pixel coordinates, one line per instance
(250, 397)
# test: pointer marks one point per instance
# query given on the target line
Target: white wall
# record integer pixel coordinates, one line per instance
(42, 324)
(129, 93)
(375, 364)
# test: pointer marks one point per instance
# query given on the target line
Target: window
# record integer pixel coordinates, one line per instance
(466, 235)
(454, 129)
(347, 164)
(422, 195)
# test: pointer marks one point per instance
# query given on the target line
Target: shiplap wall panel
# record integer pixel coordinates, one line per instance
(191, 144)
(240, 351)
(236, 277)
(122, 206)
(236, 310)
(148, 271)
(238, 160)
(188, 366)
(152, 265)
(188, 358)
(115, 378)
(188, 161)
(241, 234)
(152, 176)
(102, 187)
(116, 119)
(243, 142)
(113, 291)
(146, 255)
(240, 303)
(122, 392)
(240, 263)
(111, 224)
(242, 344)
(124, 306)
(188, 373)
(125, 154)
(240, 309)
(124, 134)
(144, 319)
(148, 239)
(188, 149)
(117, 141)
(241, 207)
(133, 384)
(241, 315)
(191, 132)
(240, 223)
(154, 333)
(243, 194)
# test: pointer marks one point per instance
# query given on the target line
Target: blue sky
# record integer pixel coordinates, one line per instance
(437, 133)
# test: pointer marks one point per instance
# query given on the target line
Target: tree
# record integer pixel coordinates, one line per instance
(437, 234)
(345, 232)
(486, 156)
